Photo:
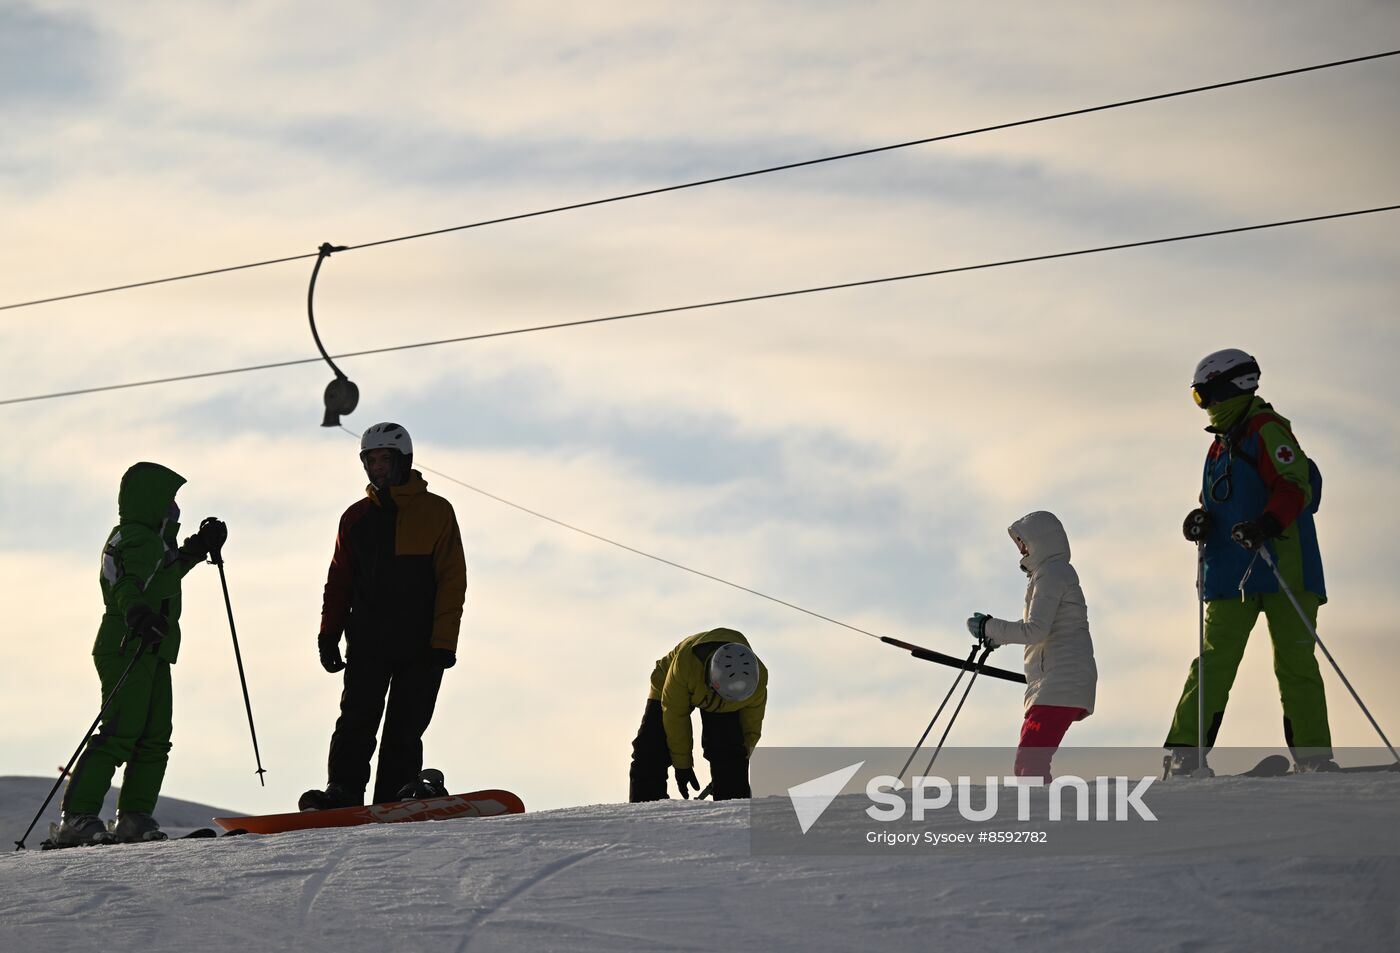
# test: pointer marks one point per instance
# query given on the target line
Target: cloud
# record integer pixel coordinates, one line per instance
(49, 60)
(859, 453)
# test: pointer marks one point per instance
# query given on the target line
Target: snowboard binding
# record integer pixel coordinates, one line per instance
(430, 783)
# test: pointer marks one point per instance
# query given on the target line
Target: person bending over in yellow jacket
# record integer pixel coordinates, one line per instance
(718, 673)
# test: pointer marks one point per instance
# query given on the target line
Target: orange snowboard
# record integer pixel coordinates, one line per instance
(476, 804)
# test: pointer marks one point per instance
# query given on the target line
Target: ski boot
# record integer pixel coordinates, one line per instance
(131, 827)
(430, 783)
(1318, 763)
(80, 830)
(1182, 762)
(332, 797)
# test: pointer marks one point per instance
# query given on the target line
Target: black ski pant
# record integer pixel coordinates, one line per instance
(721, 741)
(412, 688)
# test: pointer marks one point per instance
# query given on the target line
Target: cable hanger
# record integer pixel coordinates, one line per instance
(341, 394)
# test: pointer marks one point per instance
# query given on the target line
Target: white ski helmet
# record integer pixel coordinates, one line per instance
(1224, 374)
(733, 672)
(389, 436)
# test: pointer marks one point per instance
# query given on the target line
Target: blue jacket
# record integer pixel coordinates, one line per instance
(1258, 467)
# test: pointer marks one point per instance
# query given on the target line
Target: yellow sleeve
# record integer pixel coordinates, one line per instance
(675, 710)
(450, 568)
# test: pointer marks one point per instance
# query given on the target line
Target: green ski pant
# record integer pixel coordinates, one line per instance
(135, 732)
(1228, 624)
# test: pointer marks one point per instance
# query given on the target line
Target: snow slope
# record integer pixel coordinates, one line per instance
(680, 876)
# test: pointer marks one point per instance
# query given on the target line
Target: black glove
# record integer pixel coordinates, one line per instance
(209, 539)
(213, 533)
(1197, 525)
(1252, 534)
(977, 625)
(444, 658)
(146, 624)
(329, 646)
(685, 778)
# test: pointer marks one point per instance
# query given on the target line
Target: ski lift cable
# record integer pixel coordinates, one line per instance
(784, 167)
(915, 650)
(747, 299)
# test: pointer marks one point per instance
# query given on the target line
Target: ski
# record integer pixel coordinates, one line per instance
(48, 843)
(197, 834)
(490, 803)
(203, 832)
(1277, 766)
(1274, 766)
(1393, 766)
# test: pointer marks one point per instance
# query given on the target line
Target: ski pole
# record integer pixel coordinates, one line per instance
(1312, 630)
(910, 760)
(705, 793)
(140, 650)
(954, 717)
(1201, 656)
(217, 558)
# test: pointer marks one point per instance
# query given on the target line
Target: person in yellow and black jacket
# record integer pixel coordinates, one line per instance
(395, 589)
(716, 672)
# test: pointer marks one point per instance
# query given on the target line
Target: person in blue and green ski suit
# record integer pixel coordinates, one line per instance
(1258, 490)
(141, 572)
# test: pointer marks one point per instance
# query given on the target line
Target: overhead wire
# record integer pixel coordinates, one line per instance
(746, 299)
(631, 549)
(916, 650)
(730, 177)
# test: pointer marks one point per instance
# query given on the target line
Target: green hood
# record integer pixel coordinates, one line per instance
(146, 493)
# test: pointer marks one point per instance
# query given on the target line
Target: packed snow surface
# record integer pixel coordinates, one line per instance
(680, 876)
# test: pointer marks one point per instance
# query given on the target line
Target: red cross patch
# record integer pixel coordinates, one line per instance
(1284, 454)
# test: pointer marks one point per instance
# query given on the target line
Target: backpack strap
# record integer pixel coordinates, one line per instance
(1247, 427)
(1251, 425)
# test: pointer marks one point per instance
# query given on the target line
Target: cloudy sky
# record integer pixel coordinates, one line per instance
(858, 452)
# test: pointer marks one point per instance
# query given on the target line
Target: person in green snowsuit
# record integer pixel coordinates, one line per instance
(141, 573)
(1259, 491)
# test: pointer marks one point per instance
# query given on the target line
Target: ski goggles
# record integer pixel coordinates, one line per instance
(1223, 386)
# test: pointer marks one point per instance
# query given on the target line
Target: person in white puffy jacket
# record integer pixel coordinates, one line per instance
(1059, 658)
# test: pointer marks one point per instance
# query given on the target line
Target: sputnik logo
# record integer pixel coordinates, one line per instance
(810, 799)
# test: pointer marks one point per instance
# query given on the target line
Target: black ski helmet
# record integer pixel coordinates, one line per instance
(394, 438)
(1222, 375)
